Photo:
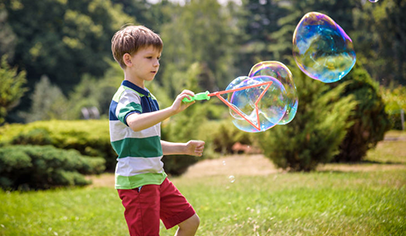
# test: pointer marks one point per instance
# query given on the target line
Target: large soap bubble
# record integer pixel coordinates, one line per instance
(257, 102)
(322, 49)
(282, 73)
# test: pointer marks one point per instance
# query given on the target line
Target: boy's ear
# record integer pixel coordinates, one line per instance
(127, 59)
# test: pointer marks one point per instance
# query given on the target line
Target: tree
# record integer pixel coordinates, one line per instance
(260, 21)
(146, 13)
(369, 120)
(62, 39)
(201, 31)
(48, 102)
(11, 88)
(381, 40)
(395, 100)
(339, 10)
(7, 36)
(314, 135)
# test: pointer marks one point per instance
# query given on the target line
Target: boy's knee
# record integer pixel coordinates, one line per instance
(196, 220)
(192, 223)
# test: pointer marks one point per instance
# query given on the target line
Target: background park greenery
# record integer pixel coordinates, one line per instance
(56, 61)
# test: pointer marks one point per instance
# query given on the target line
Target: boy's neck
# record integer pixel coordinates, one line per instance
(139, 83)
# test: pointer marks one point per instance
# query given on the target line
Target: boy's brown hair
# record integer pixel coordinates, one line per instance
(132, 38)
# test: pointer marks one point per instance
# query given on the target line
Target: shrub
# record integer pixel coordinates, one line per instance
(222, 135)
(89, 137)
(369, 121)
(42, 167)
(395, 100)
(317, 130)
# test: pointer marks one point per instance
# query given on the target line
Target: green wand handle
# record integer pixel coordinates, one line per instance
(198, 97)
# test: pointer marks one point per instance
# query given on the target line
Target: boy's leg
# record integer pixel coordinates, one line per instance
(176, 210)
(141, 210)
(188, 227)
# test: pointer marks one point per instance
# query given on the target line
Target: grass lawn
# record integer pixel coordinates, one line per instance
(239, 195)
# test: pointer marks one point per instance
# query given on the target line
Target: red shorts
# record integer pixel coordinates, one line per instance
(146, 205)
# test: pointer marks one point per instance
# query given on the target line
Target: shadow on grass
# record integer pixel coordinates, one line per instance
(377, 162)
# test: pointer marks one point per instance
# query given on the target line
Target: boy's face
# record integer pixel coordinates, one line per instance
(144, 65)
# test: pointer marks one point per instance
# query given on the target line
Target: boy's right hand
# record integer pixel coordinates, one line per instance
(178, 105)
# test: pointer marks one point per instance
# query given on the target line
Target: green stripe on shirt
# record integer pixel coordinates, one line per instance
(135, 181)
(138, 147)
(128, 108)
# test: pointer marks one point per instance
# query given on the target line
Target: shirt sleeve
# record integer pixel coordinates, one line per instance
(129, 103)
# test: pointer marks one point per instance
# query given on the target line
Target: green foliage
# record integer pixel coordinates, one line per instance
(63, 39)
(380, 38)
(48, 102)
(280, 44)
(41, 167)
(314, 135)
(183, 126)
(70, 40)
(220, 136)
(395, 100)
(260, 21)
(11, 87)
(7, 36)
(90, 138)
(369, 121)
(202, 32)
(93, 92)
(146, 13)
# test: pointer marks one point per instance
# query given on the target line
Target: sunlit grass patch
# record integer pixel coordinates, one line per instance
(78, 211)
(336, 203)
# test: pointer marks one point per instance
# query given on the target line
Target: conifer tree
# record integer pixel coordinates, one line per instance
(370, 121)
(314, 135)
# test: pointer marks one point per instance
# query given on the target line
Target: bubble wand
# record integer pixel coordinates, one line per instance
(207, 95)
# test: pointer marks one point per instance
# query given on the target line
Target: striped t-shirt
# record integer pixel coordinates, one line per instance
(139, 153)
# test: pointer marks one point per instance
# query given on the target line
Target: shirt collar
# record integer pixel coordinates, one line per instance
(135, 87)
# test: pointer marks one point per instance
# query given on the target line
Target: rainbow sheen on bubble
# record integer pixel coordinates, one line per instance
(271, 107)
(373, 1)
(282, 73)
(322, 49)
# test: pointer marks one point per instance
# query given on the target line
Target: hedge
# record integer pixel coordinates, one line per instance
(92, 138)
(89, 137)
(42, 167)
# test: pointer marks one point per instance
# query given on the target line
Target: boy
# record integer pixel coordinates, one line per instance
(146, 193)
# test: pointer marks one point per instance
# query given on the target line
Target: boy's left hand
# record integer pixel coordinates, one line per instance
(195, 147)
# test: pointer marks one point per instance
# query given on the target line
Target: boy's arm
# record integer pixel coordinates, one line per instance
(138, 122)
(193, 148)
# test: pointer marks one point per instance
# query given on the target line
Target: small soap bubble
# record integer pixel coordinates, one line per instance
(256, 102)
(231, 178)
(373, 1)
(282, 73)
(322, 49)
